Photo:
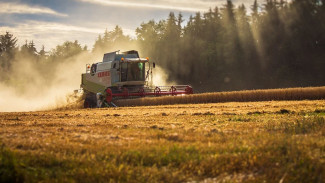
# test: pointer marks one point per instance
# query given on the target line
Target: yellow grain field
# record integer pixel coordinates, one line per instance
(274, 141)
(310, 93)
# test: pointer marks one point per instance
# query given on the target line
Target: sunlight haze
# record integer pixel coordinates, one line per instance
(50, 23)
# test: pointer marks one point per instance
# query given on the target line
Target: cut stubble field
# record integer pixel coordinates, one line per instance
(275, 141)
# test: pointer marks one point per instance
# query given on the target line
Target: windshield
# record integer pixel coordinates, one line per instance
(133, 71)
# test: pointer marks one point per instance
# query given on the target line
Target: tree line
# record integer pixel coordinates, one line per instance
(277, 44)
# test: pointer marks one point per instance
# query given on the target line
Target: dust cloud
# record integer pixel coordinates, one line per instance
(32, 87)
(160, 78)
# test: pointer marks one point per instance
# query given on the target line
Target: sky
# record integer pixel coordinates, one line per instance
(52, 22)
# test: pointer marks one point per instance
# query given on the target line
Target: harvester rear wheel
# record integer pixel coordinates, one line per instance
(90, 101)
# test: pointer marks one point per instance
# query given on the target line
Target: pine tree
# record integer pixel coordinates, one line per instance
(148, 36)
(8, 49)
(42, 52)
(7, 43)
(255, 14)
(67, 50)
(99, 43)
(32, 49)
(179, 24)
(42, 55)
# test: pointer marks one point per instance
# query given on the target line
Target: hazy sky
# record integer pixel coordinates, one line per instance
(51, 22)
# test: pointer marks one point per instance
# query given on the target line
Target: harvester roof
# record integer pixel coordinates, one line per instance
(116, 56)
(135, 60)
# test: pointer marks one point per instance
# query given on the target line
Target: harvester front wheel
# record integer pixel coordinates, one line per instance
(90, 101)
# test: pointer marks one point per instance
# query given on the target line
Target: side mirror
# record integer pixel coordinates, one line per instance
(154, 65)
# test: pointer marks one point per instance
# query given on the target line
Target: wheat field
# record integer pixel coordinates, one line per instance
(273, 141)
(309, 93)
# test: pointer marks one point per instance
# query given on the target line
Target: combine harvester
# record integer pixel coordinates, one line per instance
(123, 76)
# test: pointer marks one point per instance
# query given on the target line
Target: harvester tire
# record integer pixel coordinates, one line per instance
(90, 101)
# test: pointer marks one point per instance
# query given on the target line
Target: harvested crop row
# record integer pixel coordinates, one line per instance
(310, 93)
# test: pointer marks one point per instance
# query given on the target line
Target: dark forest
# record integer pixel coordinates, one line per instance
(275, 44)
